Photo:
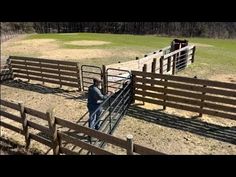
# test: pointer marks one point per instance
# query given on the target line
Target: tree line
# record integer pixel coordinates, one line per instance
(185, 29)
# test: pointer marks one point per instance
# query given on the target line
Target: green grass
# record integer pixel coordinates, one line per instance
(218, 59)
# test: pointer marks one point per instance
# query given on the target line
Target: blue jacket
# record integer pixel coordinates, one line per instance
(95, 96)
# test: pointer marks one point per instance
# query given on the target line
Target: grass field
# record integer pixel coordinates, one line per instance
(213, 56)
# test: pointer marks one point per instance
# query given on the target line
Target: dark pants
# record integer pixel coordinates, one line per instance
(94, 118)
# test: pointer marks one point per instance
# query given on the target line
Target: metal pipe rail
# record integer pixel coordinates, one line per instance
(107, 101)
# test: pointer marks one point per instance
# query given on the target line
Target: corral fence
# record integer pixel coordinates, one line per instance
(63, 73)
(164, 61)
(5, 74)
(9, 35)
(112, 78)
(115, 78)
(195, 95)
(113, 109)
(55, 137)
(175, 61)
(168, 60)
(88, 72)
(138, 63)
(171, 63)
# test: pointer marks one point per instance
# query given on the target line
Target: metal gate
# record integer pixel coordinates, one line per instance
(113, 110)
(115, 78)
(87, 74)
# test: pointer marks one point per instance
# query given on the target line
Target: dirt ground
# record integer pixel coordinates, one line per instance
(51, 48)
(170, 131)
(87, 43)
(224, 77)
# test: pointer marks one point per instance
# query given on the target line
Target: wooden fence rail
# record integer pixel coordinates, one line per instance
(190, 94)
(5, 74)
(68, 73)
(52, 71)
(163, 61)
(57, 136)
(176, 61)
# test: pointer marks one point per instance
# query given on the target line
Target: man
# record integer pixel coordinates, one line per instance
(95, 98)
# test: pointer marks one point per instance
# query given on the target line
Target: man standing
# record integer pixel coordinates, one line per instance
(95, 98)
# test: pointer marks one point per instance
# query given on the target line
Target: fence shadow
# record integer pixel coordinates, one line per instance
(192, 125)
(8, 147)
(83, 120)
(74, 94)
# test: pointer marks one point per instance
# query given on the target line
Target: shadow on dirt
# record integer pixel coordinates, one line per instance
(192, 125)
(69, 94)
(8, 147)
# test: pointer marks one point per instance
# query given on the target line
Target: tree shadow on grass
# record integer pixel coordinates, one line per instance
(192, 125)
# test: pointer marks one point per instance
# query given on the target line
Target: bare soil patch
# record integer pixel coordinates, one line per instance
(224, 78)
(87, 43)
(50, 48)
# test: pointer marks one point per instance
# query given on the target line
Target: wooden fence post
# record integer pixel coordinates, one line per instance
(144, 70)
(161, 64)
(137, 58)
(104, 79)
(27, 70)
(132, 88)
(153, 68)
(56, 142)
(10, 67)
(193, 54)
(202, 100)
(59, 74)
(165, 87)
(40, 63)
(174, 64)
(186, 56)
(161, 72)
(24, 124)
(78, 77)
(168, 64)
(130, 145)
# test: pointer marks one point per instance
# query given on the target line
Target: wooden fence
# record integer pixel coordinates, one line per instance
(56, 136)
(162, 61)
(138, 63)
(173, 62)
(65, 73)
(190, 94)
(5, 74)
(9, 35)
